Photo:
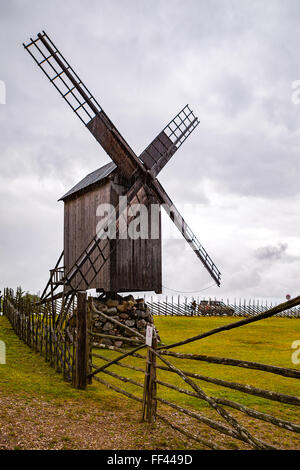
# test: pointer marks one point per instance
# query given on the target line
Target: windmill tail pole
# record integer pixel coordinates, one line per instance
(262, 316)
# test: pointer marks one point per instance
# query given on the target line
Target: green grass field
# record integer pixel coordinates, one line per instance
(268, 341)
(27, 376)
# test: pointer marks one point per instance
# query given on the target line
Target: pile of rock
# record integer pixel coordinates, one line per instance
(131, 312)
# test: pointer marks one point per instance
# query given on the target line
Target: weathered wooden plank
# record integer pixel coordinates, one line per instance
(158, 153)
(80, 228)
(113, 144)
(136, 264)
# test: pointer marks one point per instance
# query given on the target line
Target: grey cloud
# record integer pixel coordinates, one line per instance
(271, 253)
(234, 95)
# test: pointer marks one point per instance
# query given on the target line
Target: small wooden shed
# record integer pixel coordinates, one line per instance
(132, 265)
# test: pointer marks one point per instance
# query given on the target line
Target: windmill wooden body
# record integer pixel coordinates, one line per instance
(132, 265)
(118, 265)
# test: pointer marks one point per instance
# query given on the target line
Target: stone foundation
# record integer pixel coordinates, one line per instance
(131, 312)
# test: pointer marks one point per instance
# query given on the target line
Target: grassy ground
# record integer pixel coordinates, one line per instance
(268, 341)
(39, 410)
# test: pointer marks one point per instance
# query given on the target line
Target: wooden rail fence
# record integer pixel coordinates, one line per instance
(182, 306)
(64, 335)
(52, 329)
(151, 398)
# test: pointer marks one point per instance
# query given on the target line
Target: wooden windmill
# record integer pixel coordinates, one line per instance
(118, 265)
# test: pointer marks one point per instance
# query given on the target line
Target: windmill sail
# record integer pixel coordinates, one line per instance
(163, 147)
(82, 102)
(187, 233)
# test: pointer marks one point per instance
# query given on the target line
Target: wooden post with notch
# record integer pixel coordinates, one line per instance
(89, 340)
(149, 399)
(80, 376)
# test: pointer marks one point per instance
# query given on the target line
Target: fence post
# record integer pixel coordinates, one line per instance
(149, 401)
(80, 375)
(89, 340)
(4, 308)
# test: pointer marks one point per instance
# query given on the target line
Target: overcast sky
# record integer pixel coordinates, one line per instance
(237, 176)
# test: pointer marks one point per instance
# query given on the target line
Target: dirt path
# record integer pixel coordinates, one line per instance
(37, 424)
(38, 410)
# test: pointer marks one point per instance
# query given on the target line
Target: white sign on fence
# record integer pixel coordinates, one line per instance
(149, 335)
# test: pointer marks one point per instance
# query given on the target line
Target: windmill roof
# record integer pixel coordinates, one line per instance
(91, 179)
